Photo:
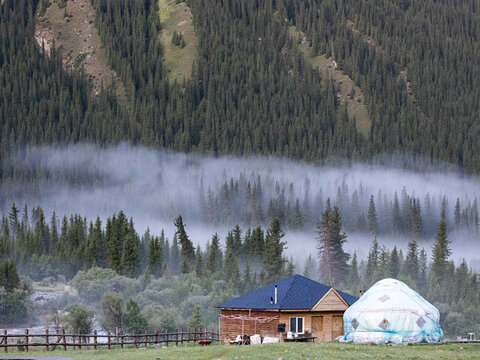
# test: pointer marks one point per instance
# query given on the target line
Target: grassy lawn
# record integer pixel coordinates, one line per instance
(177, 17)
(355, 105)
(276, 351)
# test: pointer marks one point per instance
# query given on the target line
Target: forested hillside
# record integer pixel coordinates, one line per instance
(251, 90)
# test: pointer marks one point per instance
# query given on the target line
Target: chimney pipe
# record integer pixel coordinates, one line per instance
(276, 291)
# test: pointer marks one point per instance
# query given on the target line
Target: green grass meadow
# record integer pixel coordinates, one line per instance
(273, 351)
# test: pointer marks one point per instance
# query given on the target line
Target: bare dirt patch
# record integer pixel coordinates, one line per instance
(73, 32)
(348, 93)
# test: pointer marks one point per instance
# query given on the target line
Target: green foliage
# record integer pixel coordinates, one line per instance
(111, 311)
(78, 319)
(15, 307)
(196, 320)
(330, 239)
(273, 260)
(133, 320)
(159, 319)
(155, 257)
(187, 251)
(93, 283)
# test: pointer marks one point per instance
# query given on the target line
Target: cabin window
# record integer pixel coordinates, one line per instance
(296, 324)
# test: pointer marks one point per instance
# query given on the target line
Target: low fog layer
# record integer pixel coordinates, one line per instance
(154, 187)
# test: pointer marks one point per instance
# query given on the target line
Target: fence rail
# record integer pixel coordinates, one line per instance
(91, 341)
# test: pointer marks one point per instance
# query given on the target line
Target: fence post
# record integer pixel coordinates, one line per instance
(156, 336)
(146, 338)
(108, 340)
(95, 339)
(5, 340)
(166, 337)
(181, 337)
(122, 337)
(26, 340)
(79, 340)
(195, 335)
(134, 339)
(176, 338)
(46, 338)
(205, 334)
(64, 340)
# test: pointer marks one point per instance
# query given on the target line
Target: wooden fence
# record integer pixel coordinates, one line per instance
(52, 341)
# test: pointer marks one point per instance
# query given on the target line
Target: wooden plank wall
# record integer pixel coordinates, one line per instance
(328, 329)
(232, 328)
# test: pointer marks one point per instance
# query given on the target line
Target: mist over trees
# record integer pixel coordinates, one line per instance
(148, 272)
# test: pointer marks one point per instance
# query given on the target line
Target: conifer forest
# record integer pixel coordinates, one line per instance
(146, 196)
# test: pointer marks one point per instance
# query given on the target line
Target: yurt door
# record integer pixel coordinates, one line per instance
(317, 328)
(337, 328)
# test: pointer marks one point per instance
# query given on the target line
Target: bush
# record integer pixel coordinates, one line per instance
(15, 307)
(160, 319)
(92, 284)
(111, 311)
(134, 321)
(78, 318)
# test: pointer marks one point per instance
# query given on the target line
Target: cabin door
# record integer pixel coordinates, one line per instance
(337, 326)
(317, 328)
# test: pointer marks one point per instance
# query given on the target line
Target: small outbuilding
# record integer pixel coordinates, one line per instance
(307, 309)
(390, 311)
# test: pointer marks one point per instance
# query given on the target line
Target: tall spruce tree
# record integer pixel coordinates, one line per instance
(441, 252)
(214, 256)
(333, 259)
(187, 249)
(372, 217)
(273, 260)
(155, 257)
(130, 262)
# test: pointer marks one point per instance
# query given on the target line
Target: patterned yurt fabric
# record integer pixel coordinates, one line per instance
(392, 312)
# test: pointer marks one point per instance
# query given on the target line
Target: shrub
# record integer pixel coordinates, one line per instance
(78, 318)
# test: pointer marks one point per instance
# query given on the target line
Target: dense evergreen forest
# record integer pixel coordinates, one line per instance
(152, 270)
(251, 90)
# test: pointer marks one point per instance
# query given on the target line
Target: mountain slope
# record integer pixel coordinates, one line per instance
(255, 90)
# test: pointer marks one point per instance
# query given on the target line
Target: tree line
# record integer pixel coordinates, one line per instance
(43, 248)
(453, 288)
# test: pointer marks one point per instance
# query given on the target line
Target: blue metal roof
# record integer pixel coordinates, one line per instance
(295, 292)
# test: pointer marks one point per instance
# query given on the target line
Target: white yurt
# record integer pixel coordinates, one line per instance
(392, 312)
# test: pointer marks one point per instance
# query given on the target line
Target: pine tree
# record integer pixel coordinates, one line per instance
(441, 252)
(231, 270)
(130, 262)
(175, 259)
(133, 319)
(422, 275)
(199, 262)
(273, 260)
(309, 268)
(12, 280)
(354, 278)
(372, 217)
(196, 320)
(214, 259)
(155, 257)
(411, 262)
(333, 259)
(248, 282)
(372, 262)
(457, 214)
(394, 263)
(187, 249)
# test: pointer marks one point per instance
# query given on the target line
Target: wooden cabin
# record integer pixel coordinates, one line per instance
(311, 311)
